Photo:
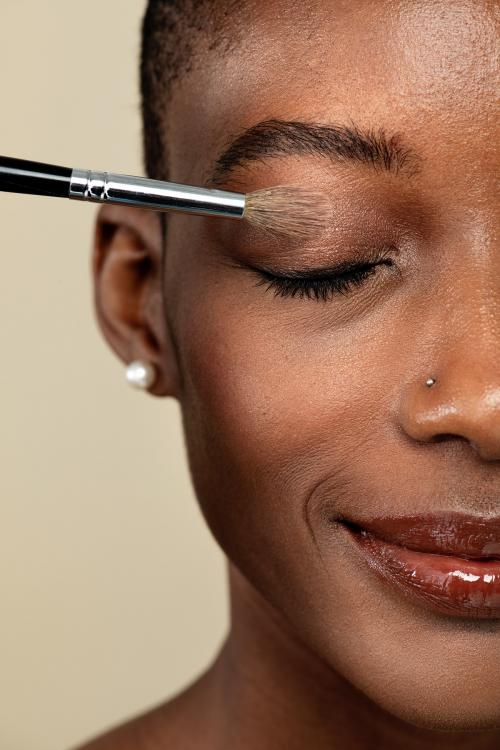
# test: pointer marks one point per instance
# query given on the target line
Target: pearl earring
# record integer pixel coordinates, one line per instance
(141, 374)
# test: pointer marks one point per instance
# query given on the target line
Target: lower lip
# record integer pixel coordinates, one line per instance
(445, 584)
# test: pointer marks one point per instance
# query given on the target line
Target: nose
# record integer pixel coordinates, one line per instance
(463, 403)
(459, 327)
(459, 347)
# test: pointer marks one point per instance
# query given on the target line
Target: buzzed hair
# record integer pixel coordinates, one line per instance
(170, 31)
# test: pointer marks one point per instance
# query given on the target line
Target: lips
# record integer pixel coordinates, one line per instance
(449, 563)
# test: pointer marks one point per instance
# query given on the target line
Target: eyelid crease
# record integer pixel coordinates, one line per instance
(325, 272)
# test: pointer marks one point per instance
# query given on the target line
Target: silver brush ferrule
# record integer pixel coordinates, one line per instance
(106, 187)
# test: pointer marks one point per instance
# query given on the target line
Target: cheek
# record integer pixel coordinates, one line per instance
(269, 410)
(266, 387)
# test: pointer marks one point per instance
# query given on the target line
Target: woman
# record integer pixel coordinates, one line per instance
(338, 392)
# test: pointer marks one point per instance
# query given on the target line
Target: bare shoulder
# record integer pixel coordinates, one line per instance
(155, 729)
(174, 724)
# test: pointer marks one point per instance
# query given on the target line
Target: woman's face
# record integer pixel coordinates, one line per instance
(300, 410)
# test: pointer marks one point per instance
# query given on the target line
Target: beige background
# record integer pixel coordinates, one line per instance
(112, 590)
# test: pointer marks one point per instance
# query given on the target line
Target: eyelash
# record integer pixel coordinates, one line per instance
(319, 284)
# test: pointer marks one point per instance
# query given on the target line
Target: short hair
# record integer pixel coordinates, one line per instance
(170, 30)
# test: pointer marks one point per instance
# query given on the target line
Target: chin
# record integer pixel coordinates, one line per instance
(438, 678)
(453, 723)
(448, 713)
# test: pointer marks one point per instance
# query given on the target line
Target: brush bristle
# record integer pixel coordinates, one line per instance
(291, 211)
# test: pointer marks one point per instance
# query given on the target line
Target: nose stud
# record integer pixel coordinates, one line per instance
(430, 382)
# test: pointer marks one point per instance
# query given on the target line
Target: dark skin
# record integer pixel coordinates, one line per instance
(297, 408)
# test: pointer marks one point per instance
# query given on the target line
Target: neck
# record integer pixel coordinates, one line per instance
(267, 690)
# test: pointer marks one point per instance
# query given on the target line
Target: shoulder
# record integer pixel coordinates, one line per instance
(141, 733)
(172, 724)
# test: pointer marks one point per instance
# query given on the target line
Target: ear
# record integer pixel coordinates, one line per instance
(128, 291)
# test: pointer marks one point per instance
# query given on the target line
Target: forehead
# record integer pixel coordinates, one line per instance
(428, 70)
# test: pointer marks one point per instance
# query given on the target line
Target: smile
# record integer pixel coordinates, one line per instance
(449, 563)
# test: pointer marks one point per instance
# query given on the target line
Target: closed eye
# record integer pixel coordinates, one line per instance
(321, 284)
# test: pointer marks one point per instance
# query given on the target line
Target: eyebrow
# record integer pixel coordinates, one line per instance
(344, 143)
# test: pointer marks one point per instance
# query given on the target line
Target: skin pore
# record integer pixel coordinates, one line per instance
(297, 410)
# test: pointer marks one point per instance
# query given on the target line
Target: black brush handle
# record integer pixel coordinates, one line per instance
(33, 178)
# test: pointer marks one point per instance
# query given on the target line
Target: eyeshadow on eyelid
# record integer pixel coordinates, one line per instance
(364, 214)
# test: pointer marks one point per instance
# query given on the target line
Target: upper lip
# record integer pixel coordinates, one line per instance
(457, 534)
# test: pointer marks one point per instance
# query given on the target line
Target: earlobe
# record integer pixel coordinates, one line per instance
(126, 267)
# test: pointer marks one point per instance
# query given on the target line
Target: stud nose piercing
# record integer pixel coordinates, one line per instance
(430, 382)
(140, 374)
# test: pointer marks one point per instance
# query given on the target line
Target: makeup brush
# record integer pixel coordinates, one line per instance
(283, 210)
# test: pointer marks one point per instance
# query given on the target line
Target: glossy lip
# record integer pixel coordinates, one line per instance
(449, 562)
